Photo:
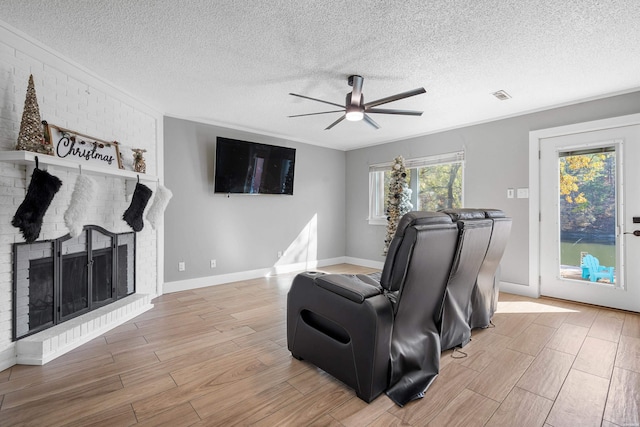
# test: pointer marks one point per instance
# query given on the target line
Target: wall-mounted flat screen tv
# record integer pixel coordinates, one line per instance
(252, 168)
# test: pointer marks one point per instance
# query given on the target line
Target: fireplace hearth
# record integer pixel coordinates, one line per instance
(57, 280)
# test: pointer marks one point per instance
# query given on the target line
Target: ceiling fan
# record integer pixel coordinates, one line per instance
(356, 109)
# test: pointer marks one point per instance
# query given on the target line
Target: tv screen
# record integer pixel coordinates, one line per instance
(252, 168)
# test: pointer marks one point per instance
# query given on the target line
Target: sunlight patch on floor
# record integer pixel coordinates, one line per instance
(530, 307)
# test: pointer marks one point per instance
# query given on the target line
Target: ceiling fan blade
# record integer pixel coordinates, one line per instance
(314, 114)
(316, 99)
(392, 111)
(336, 122)
(396, 97)
(356, 93)
(371, 121)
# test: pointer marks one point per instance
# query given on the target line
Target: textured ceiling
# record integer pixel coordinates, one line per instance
(233, 63)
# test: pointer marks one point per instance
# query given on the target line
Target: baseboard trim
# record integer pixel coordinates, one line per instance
(8, 357)
(203, 282)
(364, 262)
(519, 289)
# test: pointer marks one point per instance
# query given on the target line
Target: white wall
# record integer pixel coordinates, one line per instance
(497, 158)
(74, 98)
(245, 232)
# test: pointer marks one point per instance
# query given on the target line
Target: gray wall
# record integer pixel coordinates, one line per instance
(244, 232)
(496, 159)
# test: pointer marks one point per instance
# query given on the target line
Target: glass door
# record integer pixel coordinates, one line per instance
(587, 214)
(587, 201)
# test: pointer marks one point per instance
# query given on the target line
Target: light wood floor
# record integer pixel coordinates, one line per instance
(218, 356)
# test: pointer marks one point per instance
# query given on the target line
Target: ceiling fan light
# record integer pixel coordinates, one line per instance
(354, 115)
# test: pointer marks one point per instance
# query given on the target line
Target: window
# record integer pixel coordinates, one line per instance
(436, 183)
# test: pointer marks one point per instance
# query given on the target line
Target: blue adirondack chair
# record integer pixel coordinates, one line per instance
(592, 269)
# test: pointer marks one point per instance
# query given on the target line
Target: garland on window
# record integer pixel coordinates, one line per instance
(398, 199)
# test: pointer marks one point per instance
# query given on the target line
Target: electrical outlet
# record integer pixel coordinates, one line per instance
(213, 263)
(181, 266)
(279, 254)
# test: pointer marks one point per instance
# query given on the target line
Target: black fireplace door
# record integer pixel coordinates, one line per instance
(57, 280)
(87, 271)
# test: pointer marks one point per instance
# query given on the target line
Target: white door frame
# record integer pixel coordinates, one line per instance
(534, 183)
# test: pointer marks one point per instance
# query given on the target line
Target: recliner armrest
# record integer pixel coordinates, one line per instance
(327, 326)
(348, 286)
(372, 278)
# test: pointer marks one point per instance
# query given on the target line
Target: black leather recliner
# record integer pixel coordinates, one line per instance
(484, 300)
(383, 332)
(473, 288)
(473, 241)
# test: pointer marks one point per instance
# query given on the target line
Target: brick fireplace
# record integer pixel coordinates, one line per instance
(111, 272)
(73, 98)
(89, 284)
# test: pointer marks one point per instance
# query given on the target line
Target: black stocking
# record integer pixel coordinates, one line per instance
(28, 217)
(133, 214)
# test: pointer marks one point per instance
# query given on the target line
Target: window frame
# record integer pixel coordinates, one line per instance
(377, 215)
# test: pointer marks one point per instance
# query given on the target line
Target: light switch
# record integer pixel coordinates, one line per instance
(510, 193)
(523, 193)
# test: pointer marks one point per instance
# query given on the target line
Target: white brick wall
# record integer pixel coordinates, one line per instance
(70, 97)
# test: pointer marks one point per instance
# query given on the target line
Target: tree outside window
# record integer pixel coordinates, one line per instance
(436, 183)
(439, 187)
(587, 206)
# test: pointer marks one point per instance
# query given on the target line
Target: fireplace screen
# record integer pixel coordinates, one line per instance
(74, 293)
(60, 279)
(33, 307)
(126, 264)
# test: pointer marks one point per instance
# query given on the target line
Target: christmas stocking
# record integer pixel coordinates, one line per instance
(81, 199)
(160, 202)
(133, 214)
(28, 217)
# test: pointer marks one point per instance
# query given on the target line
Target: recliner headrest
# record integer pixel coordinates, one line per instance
(473, 213)
(494, 213)
(421, 218)
(464, 213)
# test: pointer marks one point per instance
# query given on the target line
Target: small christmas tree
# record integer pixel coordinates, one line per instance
(398, 199)
(30, 137)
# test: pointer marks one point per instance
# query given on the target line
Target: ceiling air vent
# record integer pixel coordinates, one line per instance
(501, 95)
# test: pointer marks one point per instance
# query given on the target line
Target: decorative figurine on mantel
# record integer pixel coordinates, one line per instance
(30, 137)
(138, 160)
